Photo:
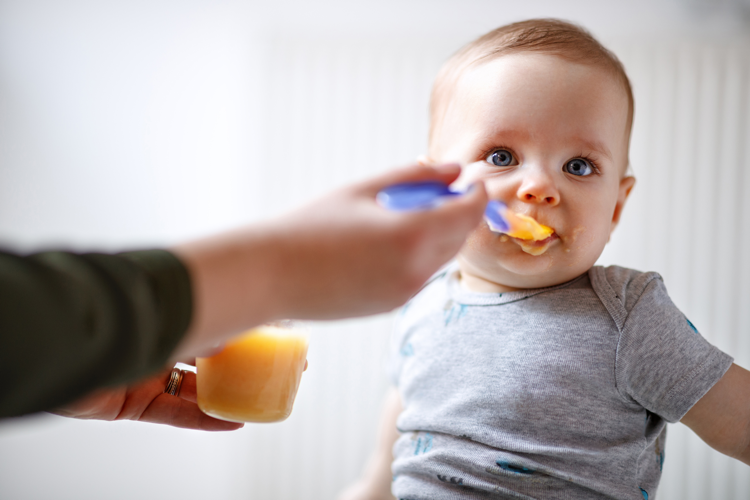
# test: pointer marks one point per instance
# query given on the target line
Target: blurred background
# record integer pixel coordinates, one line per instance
(146, 123)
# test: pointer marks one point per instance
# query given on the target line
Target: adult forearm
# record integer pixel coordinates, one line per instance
(233, 278)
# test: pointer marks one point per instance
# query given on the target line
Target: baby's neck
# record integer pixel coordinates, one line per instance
(477, 284)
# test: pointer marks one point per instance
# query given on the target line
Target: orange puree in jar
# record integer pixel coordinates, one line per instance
(255, 378)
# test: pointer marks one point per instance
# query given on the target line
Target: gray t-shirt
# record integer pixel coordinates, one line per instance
(554, 393)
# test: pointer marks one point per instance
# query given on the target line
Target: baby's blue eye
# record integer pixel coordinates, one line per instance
(579, 166)
(500, 158)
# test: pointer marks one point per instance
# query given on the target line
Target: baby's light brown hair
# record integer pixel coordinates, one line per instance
(543, 36)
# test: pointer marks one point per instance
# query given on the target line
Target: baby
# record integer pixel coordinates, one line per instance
(522, 370)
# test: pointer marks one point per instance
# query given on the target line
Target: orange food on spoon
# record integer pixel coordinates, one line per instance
(524, 227)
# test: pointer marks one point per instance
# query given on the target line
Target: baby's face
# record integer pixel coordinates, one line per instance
(547, 137)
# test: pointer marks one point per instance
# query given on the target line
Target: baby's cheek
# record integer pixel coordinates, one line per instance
(584, 245)
(574, 238)
(482, 247)
(480, 239)
(472, 246)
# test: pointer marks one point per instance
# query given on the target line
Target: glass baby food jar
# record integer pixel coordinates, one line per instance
(256, 376)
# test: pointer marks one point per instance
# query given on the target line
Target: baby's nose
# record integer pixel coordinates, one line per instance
(539, 187)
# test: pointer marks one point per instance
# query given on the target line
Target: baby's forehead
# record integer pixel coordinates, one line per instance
(540, 83)
(522, 72)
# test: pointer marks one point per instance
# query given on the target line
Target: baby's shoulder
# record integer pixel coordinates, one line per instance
(623, 286)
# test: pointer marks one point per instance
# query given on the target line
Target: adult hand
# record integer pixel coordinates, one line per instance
(347, 256)
(147, 402)
(341, 256)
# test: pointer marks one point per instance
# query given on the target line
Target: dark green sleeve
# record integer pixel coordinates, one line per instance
(70, 323)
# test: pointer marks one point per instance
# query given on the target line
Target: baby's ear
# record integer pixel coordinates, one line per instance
(626, 186)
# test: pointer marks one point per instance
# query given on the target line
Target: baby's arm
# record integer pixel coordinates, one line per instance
(722, 417)
(375, 482)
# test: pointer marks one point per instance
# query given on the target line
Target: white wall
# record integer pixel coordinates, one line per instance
(145, 123)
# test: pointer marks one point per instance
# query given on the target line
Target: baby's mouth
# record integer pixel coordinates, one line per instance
(533, 238)
(536, 247)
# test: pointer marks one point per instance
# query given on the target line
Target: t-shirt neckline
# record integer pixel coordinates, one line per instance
(461, 295)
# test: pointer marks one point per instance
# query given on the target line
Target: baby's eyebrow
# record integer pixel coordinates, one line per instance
(595, 146)
(502, 137)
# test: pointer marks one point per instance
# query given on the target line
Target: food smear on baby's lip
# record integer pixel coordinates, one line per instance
(534, 248)
(532, 237)
(524, 227)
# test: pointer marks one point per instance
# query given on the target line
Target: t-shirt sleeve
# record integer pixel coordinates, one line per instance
(663, 362)
(71, 323)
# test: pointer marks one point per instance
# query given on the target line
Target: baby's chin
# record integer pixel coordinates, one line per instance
(513, 274)
(490, 277)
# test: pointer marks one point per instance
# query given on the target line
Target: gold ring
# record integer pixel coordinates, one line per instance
(174, 383)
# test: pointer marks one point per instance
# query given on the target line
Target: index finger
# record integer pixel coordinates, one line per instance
(444, 173)
(459, 212)
(177, 412)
